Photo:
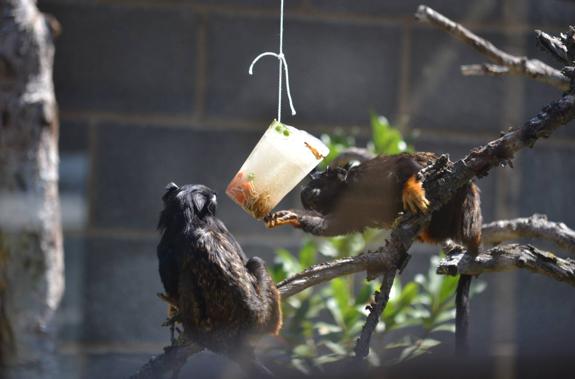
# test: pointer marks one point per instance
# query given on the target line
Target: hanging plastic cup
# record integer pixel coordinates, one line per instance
(281, 159)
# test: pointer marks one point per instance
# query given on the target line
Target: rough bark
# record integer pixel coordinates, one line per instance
(31, 260)
(536, 226)
(507, 258)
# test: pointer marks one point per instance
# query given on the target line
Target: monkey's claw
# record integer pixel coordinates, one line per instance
(282, 218)
(172, 320)
(413, 196)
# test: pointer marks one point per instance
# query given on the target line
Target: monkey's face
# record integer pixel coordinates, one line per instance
(186, 204)
(322, 192)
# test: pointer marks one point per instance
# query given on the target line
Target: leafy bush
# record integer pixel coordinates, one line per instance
(322, 323)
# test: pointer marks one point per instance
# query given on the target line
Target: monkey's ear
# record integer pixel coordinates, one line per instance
(170, 187)
(199, 201)
(341, 174)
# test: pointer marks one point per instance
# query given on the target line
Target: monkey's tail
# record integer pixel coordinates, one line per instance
(471, 237)
(462, 315)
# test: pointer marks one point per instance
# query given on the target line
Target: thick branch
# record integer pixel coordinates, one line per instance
(536, 226)
(515, 65)
(507, 258)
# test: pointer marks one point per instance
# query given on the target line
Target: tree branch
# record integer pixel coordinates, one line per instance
(536, 226)
(375, 310)
(561, 48)
(514, 65)
(323, 272)
(507, 258)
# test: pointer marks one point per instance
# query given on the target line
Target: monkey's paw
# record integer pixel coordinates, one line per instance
(172, 320)
(282, 218)
(413, 196)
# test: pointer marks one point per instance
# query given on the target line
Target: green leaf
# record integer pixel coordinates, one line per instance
(307, 254)
(278, 273)
(335, 348)
(428, 343)
(324, 328)
(477, 286)
(300, 365)
(444, 328)
(365, 293)
(335, 311)
(289, 263)
(340, 288)
(386, 139)
(447, 287)
(305, 351)
(324, 359)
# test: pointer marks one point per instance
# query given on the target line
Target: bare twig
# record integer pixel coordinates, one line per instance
(507, 258)
(562, 48)
(485, 69)
(375, 311)
(536, 226)
(515, 65)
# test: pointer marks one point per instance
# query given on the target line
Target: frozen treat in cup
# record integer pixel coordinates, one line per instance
(281, 159)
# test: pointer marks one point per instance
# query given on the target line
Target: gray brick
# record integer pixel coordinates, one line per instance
(441, 97)
(478, 10)
(553, 13)
(121, 283)
(116, 58)
(338, 73)
(73, 137)
(135, 163)
(69, 317)
(548, 184)
(544, 302)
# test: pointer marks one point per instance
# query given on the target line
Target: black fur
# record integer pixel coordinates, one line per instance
(222, 297)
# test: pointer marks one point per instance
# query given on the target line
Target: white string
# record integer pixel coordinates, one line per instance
(282, 67)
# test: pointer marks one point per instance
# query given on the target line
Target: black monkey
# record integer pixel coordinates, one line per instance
(221, 298)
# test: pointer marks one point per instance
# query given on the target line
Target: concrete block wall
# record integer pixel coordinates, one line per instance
(156, 91)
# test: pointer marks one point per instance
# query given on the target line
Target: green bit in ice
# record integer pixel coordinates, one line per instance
(251, 176)
(281, 128)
